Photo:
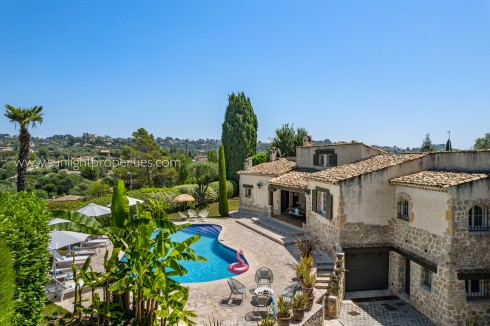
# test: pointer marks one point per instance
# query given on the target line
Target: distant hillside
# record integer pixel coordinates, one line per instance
(396, 149)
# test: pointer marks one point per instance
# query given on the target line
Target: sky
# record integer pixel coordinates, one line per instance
(380, 72)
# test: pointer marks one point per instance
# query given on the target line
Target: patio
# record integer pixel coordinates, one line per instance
(210, 299)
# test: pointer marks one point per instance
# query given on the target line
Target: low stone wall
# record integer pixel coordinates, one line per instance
(312, 318)
(334, 300)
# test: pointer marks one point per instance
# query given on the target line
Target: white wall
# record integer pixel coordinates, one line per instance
(369, 198)
(260, 196)
(428, 208)
(334, 191)
(346, 153)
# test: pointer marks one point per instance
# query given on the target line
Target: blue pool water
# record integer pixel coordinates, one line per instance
(218, 256)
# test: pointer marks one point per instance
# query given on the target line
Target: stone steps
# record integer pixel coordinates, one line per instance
(325, 286)
(277, 231)
(323, 279)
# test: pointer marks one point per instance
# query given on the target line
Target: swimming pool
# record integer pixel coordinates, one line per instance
(218, 256)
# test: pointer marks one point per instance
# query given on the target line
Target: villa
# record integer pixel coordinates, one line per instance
(415, 225)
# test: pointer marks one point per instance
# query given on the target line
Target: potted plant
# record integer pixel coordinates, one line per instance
(267, 321)
(303, 266)
(283, 312)
(309, 280)
(298, 302)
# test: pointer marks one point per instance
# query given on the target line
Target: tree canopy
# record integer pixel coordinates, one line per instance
(427, 145)
(25, 118)
(223, 191)
(482, 143)
(287, 139)
(204, 173)
(239, 133)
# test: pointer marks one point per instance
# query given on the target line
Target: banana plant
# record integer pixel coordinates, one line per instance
(150, 260)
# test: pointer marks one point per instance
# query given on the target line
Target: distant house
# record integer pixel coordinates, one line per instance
(104, 152)
(414, 224)
(66, 198)
(201, 158)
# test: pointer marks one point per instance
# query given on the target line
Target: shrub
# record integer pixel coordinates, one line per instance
(24, 229)
(7, 282)
(166, 195)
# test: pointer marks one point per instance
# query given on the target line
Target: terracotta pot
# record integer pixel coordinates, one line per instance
(309, 305)
(283, 321)
(307, 291)
(299, 314)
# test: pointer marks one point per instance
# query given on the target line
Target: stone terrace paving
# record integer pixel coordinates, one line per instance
(209, 299)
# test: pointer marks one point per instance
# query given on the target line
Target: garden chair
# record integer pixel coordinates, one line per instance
(183, 217)
(236, 288)
(192, 213)
(261, 301)
(264, 277)
(203, 214)
(291, 290)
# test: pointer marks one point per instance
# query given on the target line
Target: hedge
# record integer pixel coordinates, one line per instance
(163, 194)
(7, 282)
(24, 229)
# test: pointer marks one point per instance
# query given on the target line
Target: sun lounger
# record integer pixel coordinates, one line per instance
(63, 288)
(59, 259)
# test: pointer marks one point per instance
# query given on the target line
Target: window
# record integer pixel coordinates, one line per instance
(326, 160)
(427, 277)
(323, 205)
(323, 159)
(478, 219)
(477, 289)
(248, 192)
(403, 209)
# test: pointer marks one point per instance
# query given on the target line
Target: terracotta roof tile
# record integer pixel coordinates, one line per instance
(274, 168)
(438, 179)
(375, 163)
(297, 178)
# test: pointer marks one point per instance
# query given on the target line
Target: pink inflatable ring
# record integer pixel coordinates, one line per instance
(240, 266)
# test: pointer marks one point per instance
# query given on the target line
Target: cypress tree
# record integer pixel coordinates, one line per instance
(223, 191)
(7, 282)
(239, 133)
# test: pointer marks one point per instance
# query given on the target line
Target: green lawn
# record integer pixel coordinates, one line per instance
(53, 310)
(233, 204)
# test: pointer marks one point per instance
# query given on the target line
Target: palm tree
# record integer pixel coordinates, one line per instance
(25, 118)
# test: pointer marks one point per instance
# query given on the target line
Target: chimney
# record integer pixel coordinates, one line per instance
(273, 154)
(306, 140)
(247, 164)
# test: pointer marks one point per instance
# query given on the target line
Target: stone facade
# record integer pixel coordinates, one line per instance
(325, 230)
(435, 236)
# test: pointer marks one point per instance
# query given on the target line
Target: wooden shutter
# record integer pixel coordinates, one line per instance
(316, 159)
(313, 200)
(329, 206)
(334, 159)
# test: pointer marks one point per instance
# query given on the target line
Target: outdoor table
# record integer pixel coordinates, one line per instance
(264, 291)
